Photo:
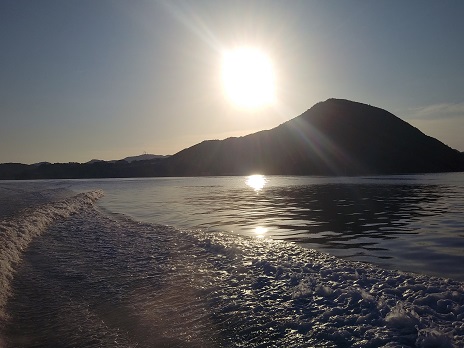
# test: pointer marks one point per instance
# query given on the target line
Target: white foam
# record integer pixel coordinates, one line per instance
(195, 288)
(16, 233)
(326, 300)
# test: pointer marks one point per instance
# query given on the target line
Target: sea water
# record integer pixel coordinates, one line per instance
(233, 262)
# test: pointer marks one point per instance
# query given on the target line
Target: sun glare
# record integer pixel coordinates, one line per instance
(260, 232)
(256, 182)
(248, 77)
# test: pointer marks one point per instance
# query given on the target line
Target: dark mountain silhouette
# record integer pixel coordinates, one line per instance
(72, 170)
(335, 137)
(144, 157)
(10, 171)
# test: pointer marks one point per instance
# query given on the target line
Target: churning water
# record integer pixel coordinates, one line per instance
(206, 262)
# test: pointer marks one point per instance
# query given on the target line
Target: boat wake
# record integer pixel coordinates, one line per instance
(16, 234)
(100, 280)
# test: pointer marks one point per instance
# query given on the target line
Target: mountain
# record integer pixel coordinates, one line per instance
(335, 137)
(135, 166)
(143, 157)
(91, 169)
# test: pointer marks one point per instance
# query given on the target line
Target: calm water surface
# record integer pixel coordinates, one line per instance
(411, 223)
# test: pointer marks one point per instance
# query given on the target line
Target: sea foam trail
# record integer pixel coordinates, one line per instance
(16, 234)
(109, 281)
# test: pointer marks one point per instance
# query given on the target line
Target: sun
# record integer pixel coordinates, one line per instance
(248, 77)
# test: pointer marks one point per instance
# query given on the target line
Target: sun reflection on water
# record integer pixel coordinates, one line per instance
(256, 182)
(260, 231)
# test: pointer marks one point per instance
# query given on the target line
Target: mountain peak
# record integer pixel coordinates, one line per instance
(334, 137)
(143, 157)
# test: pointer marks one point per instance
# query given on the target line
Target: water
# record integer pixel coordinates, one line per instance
(411, 223)
(205, 262)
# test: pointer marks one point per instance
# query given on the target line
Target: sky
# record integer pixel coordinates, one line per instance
(106, 79)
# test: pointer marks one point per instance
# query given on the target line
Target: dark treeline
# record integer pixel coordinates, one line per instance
(100, 169)
(335, 137)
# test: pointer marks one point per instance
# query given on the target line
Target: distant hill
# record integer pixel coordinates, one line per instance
(335, 137)
(130, 159)
(143, 157)
(137, 166)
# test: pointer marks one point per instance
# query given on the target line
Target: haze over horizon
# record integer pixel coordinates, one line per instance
(110, 79)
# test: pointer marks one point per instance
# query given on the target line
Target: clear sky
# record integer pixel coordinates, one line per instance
(106, 79)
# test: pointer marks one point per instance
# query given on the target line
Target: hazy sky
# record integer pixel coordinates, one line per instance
(84, 79)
